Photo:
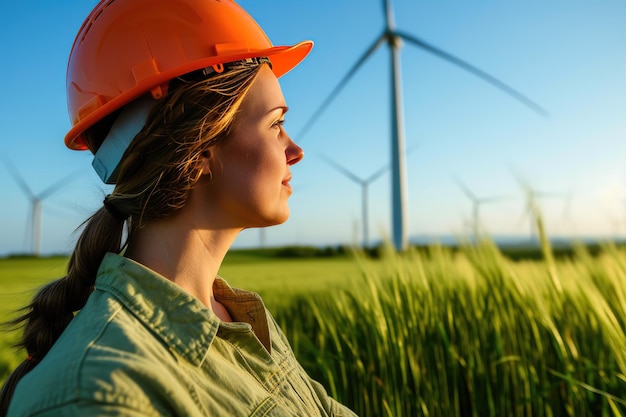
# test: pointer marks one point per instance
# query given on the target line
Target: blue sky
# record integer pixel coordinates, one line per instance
(567, 55)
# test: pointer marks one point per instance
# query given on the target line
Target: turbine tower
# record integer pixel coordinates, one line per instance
(364, 183)
(393, 38)
(35, 201)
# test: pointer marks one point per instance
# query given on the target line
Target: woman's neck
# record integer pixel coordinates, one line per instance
(188, 256)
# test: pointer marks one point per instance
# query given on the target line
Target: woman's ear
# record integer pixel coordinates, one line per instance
(204, 163)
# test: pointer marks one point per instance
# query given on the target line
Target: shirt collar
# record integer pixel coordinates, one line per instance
(244, 306)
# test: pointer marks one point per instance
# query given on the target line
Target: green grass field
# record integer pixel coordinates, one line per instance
(435, 331)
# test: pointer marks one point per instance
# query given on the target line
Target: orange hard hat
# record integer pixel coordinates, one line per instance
(127, 48)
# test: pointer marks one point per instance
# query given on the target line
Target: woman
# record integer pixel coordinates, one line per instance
(180, 103)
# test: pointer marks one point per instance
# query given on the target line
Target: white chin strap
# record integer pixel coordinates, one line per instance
(130, 122)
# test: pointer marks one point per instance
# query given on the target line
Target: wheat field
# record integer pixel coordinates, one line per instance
(436, 331)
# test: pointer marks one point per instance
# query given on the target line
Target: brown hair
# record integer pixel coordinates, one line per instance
(156, 174)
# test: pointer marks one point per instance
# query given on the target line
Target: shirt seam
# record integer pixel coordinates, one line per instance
(90, 345)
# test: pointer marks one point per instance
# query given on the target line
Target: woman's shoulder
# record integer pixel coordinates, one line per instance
(105, 355)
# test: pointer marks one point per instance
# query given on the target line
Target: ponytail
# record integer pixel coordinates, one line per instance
(54, 305)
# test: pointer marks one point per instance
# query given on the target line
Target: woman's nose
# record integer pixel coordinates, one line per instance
(294, 153)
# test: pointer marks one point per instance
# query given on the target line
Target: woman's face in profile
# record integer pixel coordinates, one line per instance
(251, 168)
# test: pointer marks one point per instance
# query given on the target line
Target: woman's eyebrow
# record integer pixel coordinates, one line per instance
(285, 109)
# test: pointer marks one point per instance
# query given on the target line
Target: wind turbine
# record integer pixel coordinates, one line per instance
(35, 201)
(393, 38)
(364, 183)
(533, 195)
(476, 203)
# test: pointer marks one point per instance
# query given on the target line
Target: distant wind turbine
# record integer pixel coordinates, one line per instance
(476, 203)
(35, 201)
(364, 183)
(532, 206)
(393, 38)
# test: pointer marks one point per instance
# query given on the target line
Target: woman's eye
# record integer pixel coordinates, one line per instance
(278, 123)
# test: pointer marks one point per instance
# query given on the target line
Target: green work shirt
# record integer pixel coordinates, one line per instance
(142, 346)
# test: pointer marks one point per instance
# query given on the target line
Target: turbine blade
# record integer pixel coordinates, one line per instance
(465, 189)
(388, 11)
(340, 86)
(58, 185)
(377, 174)
(522, 181)
(18, 178)
(343, 170)
(476, 71)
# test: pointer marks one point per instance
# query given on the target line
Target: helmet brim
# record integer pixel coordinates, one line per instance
(284, 59)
